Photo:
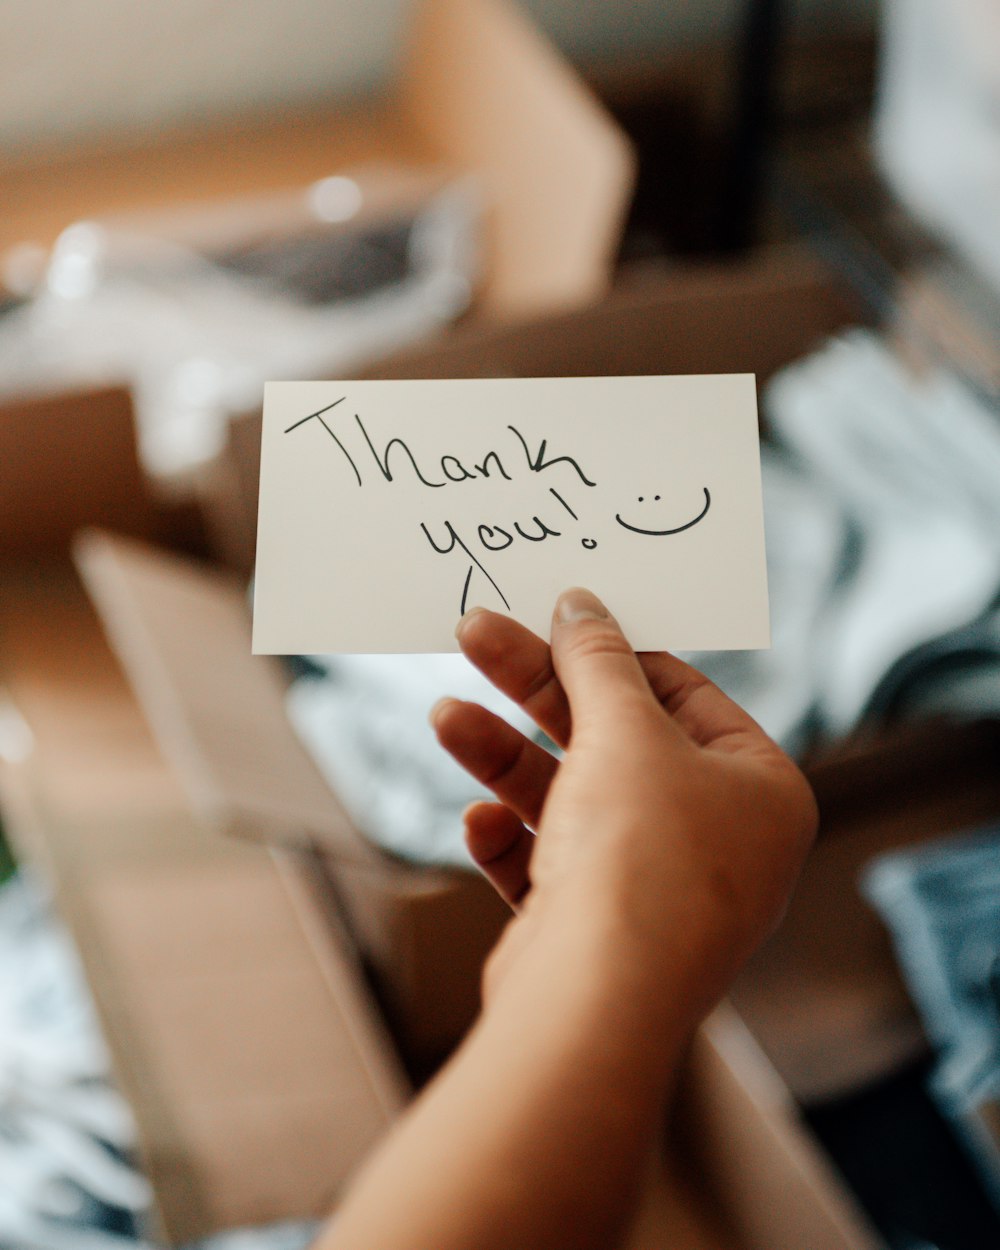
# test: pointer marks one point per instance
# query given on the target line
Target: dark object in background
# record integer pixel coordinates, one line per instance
(898, 1154)
(941, 903)
(704, 141)
(322, 266)
(753, 115)
(7, 864)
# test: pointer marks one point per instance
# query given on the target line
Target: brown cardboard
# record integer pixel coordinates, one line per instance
(738, 1128)
(66, 461)
(184, 636)
(824, 996)
(481, 92)
(751, 316)
(240, 1026)
(493, 97)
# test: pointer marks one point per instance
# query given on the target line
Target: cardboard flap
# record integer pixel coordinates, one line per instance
(488, 93)
(183, 635)
(765, 1171)
(66, 461)
(750, 317)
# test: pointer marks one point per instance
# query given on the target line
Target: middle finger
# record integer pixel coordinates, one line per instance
(517, 770)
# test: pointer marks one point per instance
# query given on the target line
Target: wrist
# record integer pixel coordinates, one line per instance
(583, 971)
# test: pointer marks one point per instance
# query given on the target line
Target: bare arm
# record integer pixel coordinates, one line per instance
(668, 838)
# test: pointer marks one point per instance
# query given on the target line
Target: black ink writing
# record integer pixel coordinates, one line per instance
(538, 463)
(553, 491)
(318, 415)
(383, 461)
(397, 452)
(677, 529)
(493, 538)
(397, 460)
(486, 533)
(456, 541)
(543, 531)
(484, 468)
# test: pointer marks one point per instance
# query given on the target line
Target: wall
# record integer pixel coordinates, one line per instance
(76, 67)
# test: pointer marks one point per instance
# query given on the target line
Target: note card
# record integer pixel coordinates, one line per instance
(388, 508)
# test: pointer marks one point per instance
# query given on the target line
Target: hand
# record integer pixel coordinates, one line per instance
(669, 835)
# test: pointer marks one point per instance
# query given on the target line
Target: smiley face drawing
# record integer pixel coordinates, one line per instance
(662, 533)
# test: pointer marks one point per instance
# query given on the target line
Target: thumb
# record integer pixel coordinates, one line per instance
(595, 665)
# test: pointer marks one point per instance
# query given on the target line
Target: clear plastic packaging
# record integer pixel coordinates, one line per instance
(937, 131)
(196, 309)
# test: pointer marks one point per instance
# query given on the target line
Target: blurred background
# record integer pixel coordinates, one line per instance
(201, 1034)
(68, 73)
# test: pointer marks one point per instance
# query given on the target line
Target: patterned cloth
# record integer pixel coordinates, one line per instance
(66, 1136)
(364, 718)
(942, 905)
(67, 1176)
(883, 528)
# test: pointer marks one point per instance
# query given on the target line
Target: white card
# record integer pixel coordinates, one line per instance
(387, 508)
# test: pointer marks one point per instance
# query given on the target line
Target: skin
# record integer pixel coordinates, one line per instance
(643, 868)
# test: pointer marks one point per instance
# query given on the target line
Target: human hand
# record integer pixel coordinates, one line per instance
(668, 836)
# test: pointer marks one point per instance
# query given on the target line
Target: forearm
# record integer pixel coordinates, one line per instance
(535, 1135)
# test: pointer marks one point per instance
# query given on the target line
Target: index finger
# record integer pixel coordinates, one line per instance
(519, 663)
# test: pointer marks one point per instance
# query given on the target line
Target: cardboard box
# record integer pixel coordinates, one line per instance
(242, 1033)
(240, 1024)
(824, 996)
(183, 634)
(479, 91)
(67, 461)
(739, 1153)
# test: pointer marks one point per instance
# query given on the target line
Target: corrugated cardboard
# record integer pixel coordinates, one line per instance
(824, 996)
(240, 1025)
(481, 92)
(493, 97)
(748, 317)
(739, 1169)
(67, 461)
(184, 636)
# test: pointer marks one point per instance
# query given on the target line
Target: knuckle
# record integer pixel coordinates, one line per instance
(540, 684)
(505, 765)
(596, 638)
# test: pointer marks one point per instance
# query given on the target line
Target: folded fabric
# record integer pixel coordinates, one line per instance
(914, 464)
(364, 718)
(942, 905)
(67, 1181)
(883, 530)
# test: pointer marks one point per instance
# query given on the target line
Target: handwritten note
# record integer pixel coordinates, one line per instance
(388, 508)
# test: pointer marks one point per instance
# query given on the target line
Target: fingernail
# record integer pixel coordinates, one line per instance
(439, 707)
(465, 619)
(580, 605)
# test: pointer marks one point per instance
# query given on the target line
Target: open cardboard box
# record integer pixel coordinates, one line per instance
(823, 996)
(183, 635)
(479, 91)
(240, 1022)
